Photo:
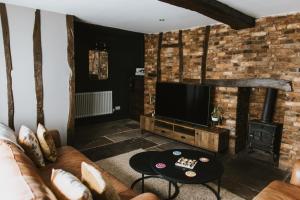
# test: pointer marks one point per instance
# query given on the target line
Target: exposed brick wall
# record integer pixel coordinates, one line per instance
(269, 50)
(192, 52)
(151, 46)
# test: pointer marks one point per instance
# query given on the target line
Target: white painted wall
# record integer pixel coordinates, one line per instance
(21, 22)
(55, 69)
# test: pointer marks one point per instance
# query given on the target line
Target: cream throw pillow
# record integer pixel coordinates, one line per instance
(30, 143)
(47, 143)
(69, 185)
(101, 188)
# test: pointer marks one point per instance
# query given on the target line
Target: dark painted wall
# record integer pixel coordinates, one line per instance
(126, 52)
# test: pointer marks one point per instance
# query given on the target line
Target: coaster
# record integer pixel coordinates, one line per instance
(176, 153)
(160, 165)
(204, 159)
(190, 173)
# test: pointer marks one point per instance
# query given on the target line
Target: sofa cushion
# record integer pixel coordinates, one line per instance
(20, 179)
(93, 178)
(69, 159)
(28, 140)
(69, 186)
(47, 143)
(278, 190)
(100, 186)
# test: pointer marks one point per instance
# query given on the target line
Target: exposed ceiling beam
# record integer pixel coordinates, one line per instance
(217, 11)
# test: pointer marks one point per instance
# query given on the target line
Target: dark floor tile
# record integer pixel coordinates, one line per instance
(133, 125)
(249, 175)
(114, 149)
(88, 133)
(92, 144)
(260, 156)
(176, 145)
(232, 185)
(157, 139)
(117, 137)
(255, 168)
(155, 148)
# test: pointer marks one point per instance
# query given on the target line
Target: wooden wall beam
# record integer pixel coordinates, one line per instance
(8, 61)
(71, 62)
(38, 72)
(284, 85)
(180, 44)
(204, 56)
(158, 68)
(218, 11)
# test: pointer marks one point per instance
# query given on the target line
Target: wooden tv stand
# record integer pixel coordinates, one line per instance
(208, 138)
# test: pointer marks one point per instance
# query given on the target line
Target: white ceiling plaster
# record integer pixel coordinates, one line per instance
(143, 15)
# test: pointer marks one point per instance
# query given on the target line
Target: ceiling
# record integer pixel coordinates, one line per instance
(144, 15)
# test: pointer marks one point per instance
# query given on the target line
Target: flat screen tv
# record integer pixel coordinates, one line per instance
(184, 102)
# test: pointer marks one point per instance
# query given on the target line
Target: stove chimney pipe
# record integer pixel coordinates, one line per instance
(269, 105)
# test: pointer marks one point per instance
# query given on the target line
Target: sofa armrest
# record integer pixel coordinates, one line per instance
(295, 178)
(146, 196)
(56, 137)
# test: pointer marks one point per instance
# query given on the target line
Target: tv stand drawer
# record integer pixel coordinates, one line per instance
(184, 138)
(163, 132)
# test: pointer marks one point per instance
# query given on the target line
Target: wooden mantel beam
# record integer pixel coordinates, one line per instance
(217, 11)
(284, 85)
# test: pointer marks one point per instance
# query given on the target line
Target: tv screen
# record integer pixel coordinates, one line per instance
(185, 102)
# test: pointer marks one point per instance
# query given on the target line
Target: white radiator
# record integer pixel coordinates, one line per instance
(90, 104)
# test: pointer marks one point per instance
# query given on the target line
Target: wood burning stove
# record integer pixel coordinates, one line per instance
(264, 134)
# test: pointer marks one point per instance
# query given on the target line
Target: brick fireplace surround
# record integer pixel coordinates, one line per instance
(270, 50)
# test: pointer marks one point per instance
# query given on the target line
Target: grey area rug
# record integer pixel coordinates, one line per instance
(119, 167)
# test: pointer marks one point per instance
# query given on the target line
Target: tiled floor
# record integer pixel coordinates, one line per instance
(244, 175)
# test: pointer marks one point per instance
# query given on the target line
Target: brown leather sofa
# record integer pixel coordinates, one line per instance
(278, 190)
(19, 176)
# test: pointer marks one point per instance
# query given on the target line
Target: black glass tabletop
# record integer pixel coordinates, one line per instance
(207, 168)
(141, 162)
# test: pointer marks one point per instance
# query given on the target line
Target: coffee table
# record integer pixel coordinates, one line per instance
(154, 164)
(141, 163)
(203, 172)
